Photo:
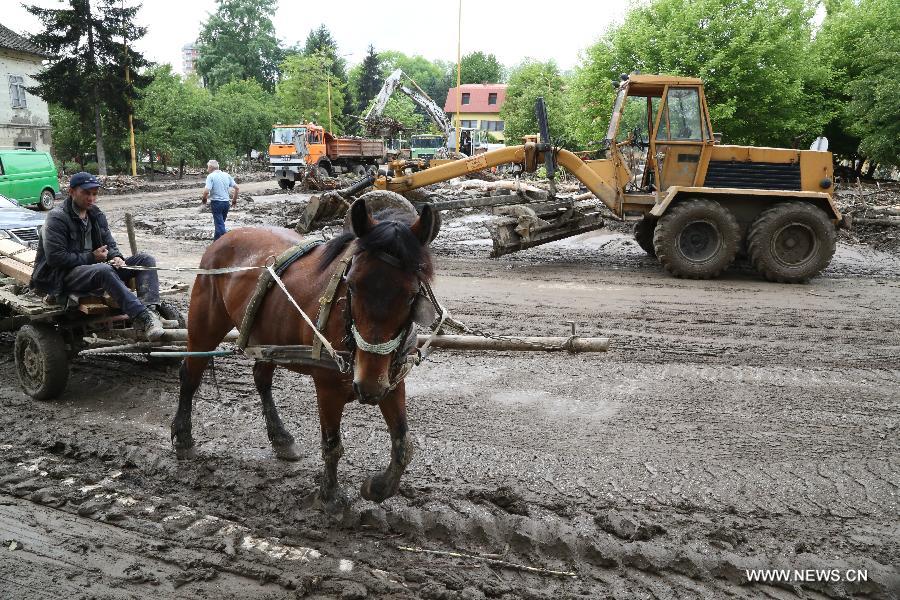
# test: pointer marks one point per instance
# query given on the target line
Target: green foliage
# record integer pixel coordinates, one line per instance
(238, 42)
(402, 109)
(478, 67)
(303, 91)
(320, 41)
(85, 74)
(860, 47)
(369, 80)
(72, 139)
(752, 54)
(527, 82)
(432, 76)
(177, 119)
(247, 113)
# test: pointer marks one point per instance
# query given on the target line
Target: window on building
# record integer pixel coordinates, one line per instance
(24, 145)
(468, 124)
(17, 91)
(492, 125)
(465, 98)
(492, 98)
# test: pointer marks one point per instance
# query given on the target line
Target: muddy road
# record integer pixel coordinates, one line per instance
(734, 425)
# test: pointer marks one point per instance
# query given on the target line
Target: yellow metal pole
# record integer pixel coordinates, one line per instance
(458, 72)
(330, 125)
(128, 85)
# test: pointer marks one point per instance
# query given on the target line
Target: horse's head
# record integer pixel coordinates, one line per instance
(383, 291)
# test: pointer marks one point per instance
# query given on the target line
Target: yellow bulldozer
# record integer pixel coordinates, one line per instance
(696, 203)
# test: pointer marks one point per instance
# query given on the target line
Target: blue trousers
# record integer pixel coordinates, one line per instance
(102, 276)
(219, 212)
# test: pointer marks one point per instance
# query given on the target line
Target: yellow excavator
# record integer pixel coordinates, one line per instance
(696, 203)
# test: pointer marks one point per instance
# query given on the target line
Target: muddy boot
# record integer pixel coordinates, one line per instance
(148, 326)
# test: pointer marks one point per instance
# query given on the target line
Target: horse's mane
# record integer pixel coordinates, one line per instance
(391, 235)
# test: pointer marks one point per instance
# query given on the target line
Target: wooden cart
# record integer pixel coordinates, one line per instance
(50, 333)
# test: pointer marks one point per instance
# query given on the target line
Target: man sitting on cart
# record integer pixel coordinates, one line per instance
(78, 254)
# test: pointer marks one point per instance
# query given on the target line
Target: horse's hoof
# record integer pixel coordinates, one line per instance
(287, 452)
(374, 489)
(186, 453)
(333, 504)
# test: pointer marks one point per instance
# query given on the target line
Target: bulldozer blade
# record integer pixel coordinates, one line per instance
(508, 237)
(321, 209)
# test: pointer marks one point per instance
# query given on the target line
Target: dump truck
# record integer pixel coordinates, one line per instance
(696, 203)
(294, 148)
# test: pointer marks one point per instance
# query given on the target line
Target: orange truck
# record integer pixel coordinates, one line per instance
(294, 148)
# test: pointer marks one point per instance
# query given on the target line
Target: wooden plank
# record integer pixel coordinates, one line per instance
(23, 254)
(18, 271)
(22, 304)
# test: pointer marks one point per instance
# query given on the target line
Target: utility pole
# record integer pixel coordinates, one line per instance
(128, 91)
(330, 124)
(458, 72)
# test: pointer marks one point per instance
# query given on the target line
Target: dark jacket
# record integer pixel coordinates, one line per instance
(62, 246)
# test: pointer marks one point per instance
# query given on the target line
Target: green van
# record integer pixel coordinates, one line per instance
(28, 177)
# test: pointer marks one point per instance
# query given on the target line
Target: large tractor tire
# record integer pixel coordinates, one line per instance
(791, 242)
(696, 239)
(378, 200)
(643, 234)
(42, 361)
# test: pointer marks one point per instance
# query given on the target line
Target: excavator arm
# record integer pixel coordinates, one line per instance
(529, 155)
(417, 95)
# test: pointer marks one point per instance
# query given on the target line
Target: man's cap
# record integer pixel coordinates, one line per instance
(84, 180)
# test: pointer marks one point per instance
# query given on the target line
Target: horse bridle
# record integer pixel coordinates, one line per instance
(354, 339)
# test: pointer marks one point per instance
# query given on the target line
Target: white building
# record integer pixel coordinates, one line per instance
(189, 55)
(24, 120)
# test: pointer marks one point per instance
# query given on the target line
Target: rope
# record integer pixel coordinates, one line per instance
(219, 271)
(341, 363)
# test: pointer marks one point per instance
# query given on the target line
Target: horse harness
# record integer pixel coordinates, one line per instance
(402, 362)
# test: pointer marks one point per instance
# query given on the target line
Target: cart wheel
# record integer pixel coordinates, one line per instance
(168, 311)
(41, 361)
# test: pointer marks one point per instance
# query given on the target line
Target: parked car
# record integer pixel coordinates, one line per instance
(29, 177)
(19, 224)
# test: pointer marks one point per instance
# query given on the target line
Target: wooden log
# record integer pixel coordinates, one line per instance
(15, 269)
(885, 221)
(518, 344)
(16, 251)
(450, 342)
(129, 227)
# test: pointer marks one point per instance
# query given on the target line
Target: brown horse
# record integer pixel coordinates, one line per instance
(375, 303)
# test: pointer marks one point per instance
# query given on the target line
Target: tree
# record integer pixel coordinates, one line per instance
(238, 42)
(320, 41)
(478, 67)
(369, 80)
(431, 76)
(246, 112)
(176, 119)
(303, 91)
(87, 62)
(859, 47)
(753, 56)
(71, 138)
(527, 82)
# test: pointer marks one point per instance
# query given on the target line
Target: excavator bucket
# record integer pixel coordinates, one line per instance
(330, 206)
(526, 228)
(322, 209)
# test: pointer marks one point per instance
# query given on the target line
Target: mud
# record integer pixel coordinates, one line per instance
(735, 424)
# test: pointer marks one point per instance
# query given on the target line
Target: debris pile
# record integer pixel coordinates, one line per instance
(874, 210)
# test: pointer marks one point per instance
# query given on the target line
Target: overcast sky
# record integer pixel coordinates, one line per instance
(511, 29)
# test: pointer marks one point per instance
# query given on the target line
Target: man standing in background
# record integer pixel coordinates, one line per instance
(218, 184)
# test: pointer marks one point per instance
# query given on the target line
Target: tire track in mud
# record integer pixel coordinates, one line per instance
(734, 424)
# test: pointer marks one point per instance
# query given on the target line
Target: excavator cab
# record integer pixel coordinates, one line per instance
(659, 131)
